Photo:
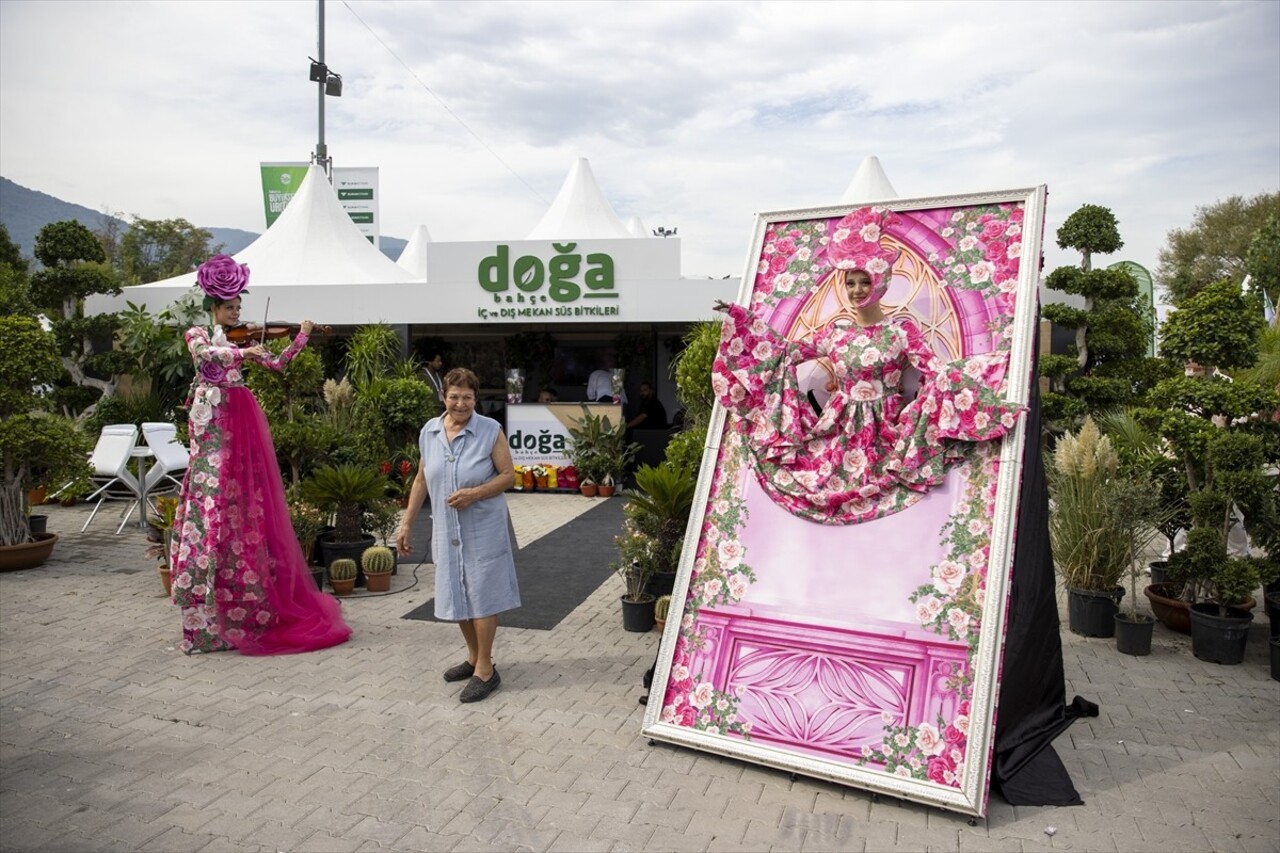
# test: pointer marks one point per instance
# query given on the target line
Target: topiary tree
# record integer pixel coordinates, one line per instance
(75, 267)
(1108, 367)
(1224, 435)
(37, 448)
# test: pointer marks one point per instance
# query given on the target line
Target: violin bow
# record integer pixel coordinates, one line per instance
(266, 312)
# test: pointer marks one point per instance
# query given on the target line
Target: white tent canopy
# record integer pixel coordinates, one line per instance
(869, 184)
(580, 211)
(414, 256)
(636, 226)
(306, 263)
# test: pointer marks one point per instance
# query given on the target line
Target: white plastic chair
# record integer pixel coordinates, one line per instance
(172, 458)
(110, 462)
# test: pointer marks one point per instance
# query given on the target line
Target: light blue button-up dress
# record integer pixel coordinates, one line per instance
(475, 569)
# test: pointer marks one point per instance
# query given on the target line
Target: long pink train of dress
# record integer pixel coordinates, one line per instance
(869, 453)
(239, 574)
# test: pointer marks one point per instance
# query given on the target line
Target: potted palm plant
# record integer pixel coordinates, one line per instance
(346, 490)
(656, 515)
(36, 445)
(1090, 548)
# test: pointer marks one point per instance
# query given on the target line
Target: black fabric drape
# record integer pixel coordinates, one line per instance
(1032, 707)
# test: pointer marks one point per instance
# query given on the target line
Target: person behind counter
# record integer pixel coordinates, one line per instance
(600, 384)
(466, 460)
(548, 395)
(651, 414)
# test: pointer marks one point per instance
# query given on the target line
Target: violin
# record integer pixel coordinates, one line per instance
(243, 335)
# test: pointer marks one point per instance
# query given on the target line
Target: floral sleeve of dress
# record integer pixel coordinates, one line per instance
(279, 362)
(754, 376)
(206, 350)
(959, 401)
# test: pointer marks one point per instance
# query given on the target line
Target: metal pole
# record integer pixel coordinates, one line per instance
(322, 152)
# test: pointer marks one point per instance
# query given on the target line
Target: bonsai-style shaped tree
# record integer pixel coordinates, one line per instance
(1108, 367)
(1226, 438)
(75, 267)
(33, 441)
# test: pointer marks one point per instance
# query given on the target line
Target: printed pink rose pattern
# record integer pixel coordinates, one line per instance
(222, 597)
(986, 248)
(866, 455)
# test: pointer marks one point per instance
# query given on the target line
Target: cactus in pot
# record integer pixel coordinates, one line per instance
(342, 576)
(377, 563)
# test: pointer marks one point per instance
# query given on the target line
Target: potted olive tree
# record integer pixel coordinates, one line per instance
(33, 441)
(1223, 432)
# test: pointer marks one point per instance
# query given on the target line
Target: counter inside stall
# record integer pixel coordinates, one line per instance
(538, 434)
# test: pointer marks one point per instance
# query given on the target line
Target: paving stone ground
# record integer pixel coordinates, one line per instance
(112, 740)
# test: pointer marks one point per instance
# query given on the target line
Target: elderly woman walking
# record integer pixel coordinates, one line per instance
(466, 467)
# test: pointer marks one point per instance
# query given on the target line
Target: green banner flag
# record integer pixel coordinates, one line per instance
(279, 182)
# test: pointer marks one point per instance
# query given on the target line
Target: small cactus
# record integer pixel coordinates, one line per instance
(377, 560)
(661, 607)
(342, 570)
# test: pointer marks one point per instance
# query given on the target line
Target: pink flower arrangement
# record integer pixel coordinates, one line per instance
(221, 278)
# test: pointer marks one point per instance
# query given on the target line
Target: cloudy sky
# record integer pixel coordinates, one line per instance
(693, 115)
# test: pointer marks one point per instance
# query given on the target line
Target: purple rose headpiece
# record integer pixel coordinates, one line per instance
(855, 245)
(221, 279)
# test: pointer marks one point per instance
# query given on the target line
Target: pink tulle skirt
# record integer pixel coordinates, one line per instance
(259, 597)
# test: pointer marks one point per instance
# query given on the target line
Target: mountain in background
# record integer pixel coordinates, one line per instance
(24, 212)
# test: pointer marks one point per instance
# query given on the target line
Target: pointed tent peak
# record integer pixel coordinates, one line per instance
(869, 184)
(580, 211)
(414, 256)
(636, 227)
(315, 242)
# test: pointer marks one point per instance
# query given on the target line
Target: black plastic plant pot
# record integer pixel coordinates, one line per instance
(1133, 636)
(637, 616)
(1219, 639)
(1092, 613)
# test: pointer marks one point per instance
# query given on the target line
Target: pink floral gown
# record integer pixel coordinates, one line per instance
(238, 572)
(867, 454)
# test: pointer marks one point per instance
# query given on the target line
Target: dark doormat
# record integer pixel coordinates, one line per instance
(557, 572)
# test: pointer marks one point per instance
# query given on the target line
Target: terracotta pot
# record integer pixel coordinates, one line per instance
(166, 578)
(605, 491)
(588, 490)
(380, 582)
(342, 587)
(1173, 612)
(37, 496)
(28, 555)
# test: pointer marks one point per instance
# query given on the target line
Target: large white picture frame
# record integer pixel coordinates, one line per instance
(869, 653)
